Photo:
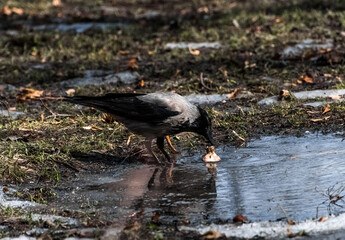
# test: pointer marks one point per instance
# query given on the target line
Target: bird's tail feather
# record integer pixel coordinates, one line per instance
(86, 101)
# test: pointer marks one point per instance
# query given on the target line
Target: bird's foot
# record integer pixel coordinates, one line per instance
(173, 149)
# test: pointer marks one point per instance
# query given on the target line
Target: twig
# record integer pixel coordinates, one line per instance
(237, 135)
(60, 115)
(202, 82)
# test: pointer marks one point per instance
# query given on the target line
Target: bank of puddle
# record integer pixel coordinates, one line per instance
(272, 179)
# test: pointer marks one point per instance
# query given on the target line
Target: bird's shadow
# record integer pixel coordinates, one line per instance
(96, 157)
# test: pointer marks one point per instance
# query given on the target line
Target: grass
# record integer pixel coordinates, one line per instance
(45, 151)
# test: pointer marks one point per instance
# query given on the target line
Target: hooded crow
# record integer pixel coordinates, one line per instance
(152, 115)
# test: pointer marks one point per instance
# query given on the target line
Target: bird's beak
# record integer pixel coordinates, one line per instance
(209, 137)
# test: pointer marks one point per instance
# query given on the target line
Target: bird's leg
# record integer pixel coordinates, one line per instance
(160, 144)
(148, 143)
(151, 182)
(171, 146)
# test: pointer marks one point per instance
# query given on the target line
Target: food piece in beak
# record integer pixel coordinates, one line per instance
(211, 155)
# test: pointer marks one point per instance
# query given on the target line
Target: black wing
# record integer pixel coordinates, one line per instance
(126, 105)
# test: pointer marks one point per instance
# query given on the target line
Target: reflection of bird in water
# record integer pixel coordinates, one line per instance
(180, 196)
(153, 115)
(212, 168)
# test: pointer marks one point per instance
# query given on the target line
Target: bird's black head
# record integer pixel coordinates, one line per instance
(204, 126)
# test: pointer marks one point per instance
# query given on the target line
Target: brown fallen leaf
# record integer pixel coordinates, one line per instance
(18, 11)
(142, 83)
(211, 234)
(133, 63)
(239, 219)
(56, 3)
(42, 117)
(70, 91)
(234, 93)
(155, 217)
(284, 93)
(194, 52)
(306, 79)
(7, 10)
(27, 94)
(322, 219)
(327, 109)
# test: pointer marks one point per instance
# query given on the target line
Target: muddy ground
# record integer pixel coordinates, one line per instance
(260, 52)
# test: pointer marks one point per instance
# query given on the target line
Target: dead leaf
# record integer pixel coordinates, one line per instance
(235, 93)
(70, 91)
(327, 109)
(18, 11)
(5, 189)
(283, 94)
(211, 234)
(27, 94)
(278, 20)
(133, 63)
(155, 218)
(42, 117)
(56, 3)
(7, 10)
(150, 52)
(142, 83)
(305, 79)
(322, 219)
(203, 10)
(308, 79)
(239, 219)
(327, 75)
(194, 52)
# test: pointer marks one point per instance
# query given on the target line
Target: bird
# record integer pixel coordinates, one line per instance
(153, 115)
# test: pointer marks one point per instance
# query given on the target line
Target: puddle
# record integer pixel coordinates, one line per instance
(299, 49)
(99, 77)
(193, 45)
(273, 177)
(7, 201)
(314, 94)
(78, 27)
(201, 99)
(12, 114)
